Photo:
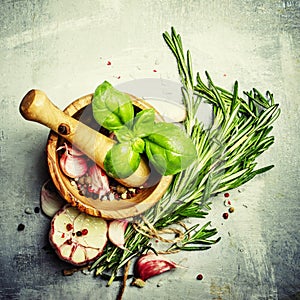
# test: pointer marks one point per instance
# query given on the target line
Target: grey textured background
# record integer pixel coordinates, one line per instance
(62, 47)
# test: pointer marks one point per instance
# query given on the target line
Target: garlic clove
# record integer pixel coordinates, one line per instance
(77, 238)
(73, 166)
(150, 265)
(74, 151)
(172, 112)
(50, 200)
(71, 149)
(99, 181)
(116, 232)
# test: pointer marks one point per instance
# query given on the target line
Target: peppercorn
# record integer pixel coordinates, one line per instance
(37, 210)
(21, 227)
(121, 189)
(69, 242)
(81, 180)
(84, 231)
(225, 216)
(69, 226)
(79, 233)
(199, 277)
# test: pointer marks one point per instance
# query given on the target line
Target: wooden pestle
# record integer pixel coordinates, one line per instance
(36, 107)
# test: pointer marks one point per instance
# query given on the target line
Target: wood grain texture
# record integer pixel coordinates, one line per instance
(37, 107)
(110, 209)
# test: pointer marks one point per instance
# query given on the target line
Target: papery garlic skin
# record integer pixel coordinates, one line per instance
(74, 151)
(150, 265)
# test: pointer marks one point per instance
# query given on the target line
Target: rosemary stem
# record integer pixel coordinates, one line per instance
(227, 151)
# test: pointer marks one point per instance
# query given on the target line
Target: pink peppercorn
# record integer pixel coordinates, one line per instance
(225, 215)
(69, 226)
(84, 231)
(199, 277)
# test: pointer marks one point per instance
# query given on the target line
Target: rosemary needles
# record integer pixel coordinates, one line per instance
(226, 158)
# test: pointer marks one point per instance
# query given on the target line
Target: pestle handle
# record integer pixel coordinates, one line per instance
(37, 107)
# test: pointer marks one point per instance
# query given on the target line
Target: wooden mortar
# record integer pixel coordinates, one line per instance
(37, 107)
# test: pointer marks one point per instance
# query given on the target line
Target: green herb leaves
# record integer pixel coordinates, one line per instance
(144, 123)
(227, 151)
(111, 108)
(196, 239)
(167, 147)
(121, 160)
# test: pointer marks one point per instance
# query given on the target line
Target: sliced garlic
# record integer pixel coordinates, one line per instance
(171, 112)
(77, 238)
(50, 200)
(116, 232)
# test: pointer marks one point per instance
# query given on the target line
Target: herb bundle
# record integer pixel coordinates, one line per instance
(226, 158)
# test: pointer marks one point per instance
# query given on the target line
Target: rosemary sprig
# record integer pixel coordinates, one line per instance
(228, 148)
(196, 239)
(227, 151)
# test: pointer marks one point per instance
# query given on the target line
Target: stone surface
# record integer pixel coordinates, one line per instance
(64, 48)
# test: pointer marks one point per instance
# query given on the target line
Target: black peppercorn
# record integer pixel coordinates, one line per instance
(21, 227)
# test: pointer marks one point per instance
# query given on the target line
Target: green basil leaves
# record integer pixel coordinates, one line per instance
(167, 147)
(111, 108)
(144, 123)
(121, 160)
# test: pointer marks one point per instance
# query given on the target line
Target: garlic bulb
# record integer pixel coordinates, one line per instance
(71, 149)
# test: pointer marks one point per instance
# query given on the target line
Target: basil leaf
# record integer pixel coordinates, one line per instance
(124, 134)
(111, 108)
(169, 149)
(138, 145)
(121, 161)
(144, 123)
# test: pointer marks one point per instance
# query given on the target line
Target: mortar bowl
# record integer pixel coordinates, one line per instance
(148, 195)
